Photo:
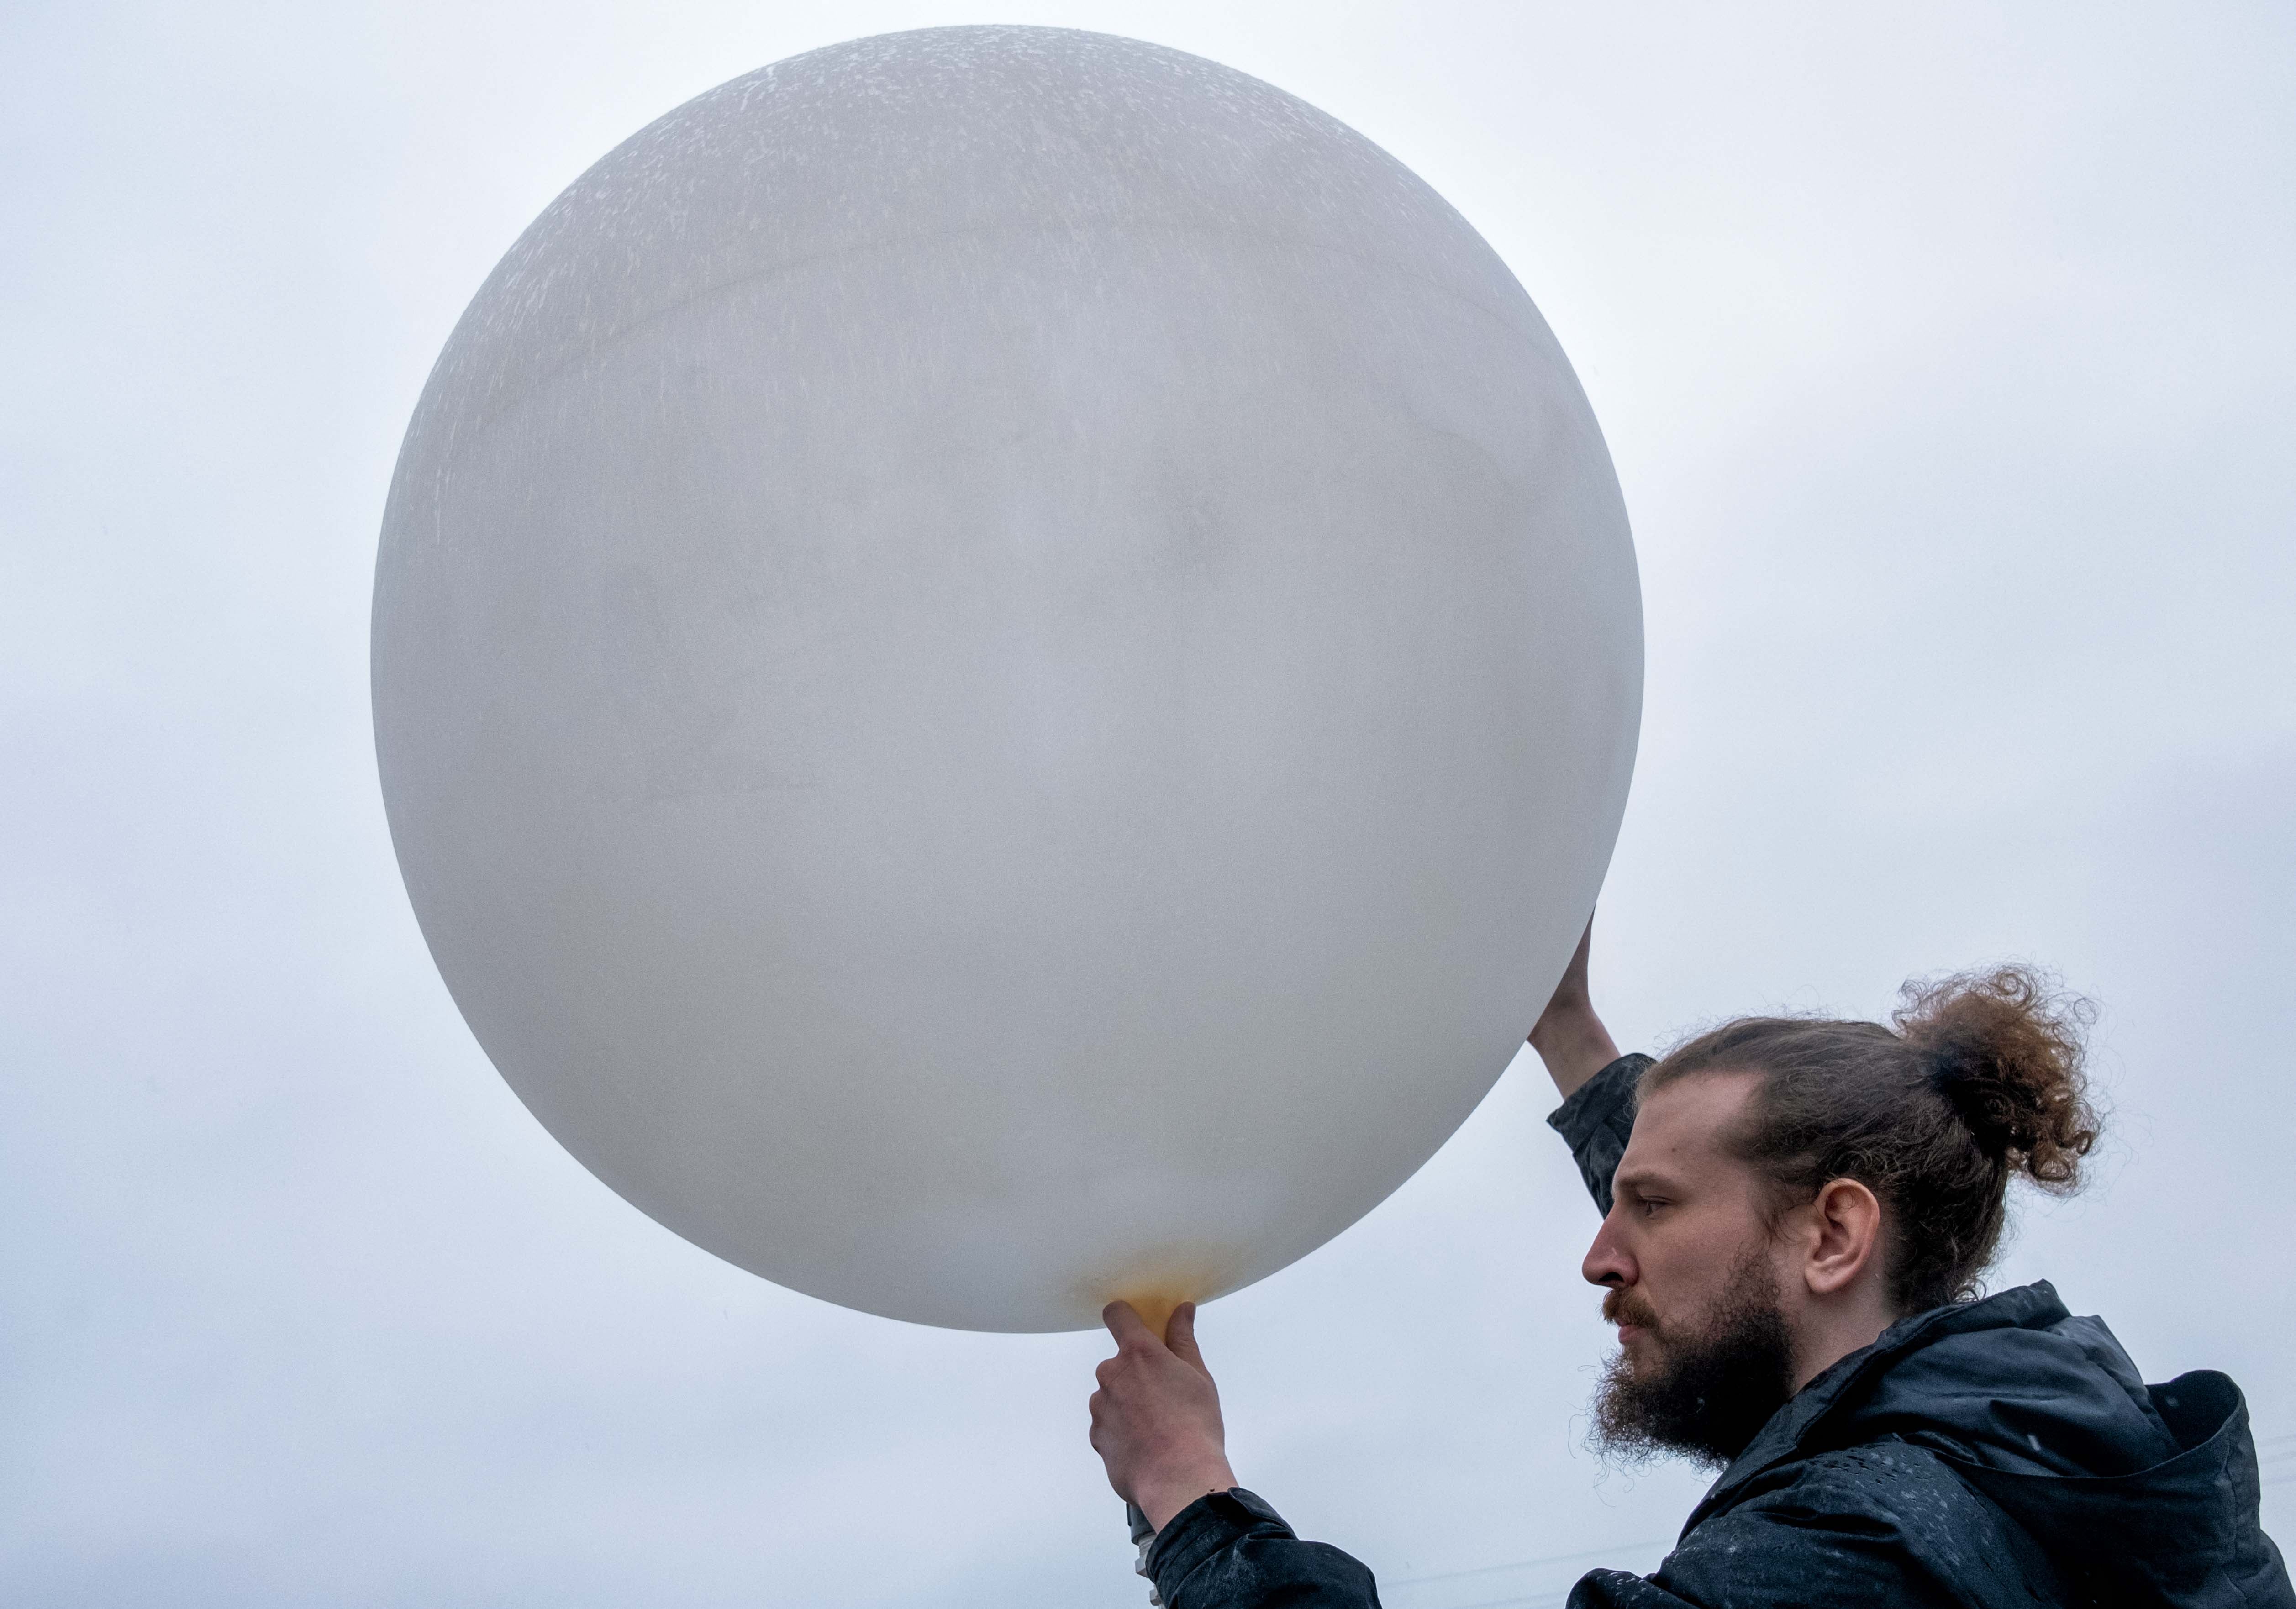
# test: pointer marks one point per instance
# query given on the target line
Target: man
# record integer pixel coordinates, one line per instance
(1796, 1213)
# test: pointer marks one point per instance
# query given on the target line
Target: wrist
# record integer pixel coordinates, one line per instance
(1167, 1492)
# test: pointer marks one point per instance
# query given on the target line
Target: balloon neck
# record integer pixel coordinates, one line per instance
(1156, 1284)
(1156, 1308)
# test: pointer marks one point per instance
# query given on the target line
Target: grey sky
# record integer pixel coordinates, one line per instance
(1947, 360)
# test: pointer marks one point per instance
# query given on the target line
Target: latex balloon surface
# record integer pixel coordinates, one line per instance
(1005, 663)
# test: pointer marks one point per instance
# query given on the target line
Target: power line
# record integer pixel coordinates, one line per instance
(1551, 1598)
(1552, 1558)
(1549, 1595)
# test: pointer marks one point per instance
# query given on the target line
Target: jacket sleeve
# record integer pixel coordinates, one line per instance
(1231, 1550)
(1596, 1119)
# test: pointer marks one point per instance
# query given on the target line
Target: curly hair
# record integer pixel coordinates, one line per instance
(1977, 1078)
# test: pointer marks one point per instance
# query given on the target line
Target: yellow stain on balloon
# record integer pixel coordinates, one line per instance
(1160, 1282)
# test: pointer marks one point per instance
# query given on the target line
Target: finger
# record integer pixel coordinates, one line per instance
(1124, 1322)
(1180, 1335)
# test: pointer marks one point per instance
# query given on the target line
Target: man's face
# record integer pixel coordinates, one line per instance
(1693, 1282)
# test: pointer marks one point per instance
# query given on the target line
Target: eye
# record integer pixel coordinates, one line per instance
(1649, 1205)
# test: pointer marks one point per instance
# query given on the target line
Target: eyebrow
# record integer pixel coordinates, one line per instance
(1641, 1178)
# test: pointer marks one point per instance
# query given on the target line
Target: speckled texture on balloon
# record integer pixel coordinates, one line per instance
(1005, 662)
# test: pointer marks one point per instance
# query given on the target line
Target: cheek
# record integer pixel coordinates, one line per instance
(1686, 1268)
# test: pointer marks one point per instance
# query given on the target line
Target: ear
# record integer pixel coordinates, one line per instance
(1845, 1223)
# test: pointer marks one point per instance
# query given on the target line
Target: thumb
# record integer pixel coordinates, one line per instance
(1180, 1337)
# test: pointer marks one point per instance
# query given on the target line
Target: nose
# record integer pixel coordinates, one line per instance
(1608, 1263)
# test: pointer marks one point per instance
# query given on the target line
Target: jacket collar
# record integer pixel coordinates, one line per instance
(1843, 1384)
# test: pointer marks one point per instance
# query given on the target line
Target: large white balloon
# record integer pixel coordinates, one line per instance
(1005, 662)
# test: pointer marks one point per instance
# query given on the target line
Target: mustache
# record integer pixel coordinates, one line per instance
(1620, 1306)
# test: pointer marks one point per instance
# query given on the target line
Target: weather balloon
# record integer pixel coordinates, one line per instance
(1005, 663)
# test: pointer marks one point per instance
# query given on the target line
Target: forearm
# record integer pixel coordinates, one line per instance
(1573, 1043)
(1568, 1036)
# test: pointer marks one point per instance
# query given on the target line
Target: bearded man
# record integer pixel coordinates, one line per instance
(1796, 1215)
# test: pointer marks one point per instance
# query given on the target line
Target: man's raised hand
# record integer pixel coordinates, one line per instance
(1156, 1417)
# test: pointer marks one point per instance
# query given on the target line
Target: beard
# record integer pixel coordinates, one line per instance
(1705, 1391)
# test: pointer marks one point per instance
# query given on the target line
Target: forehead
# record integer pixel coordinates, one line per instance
(1679, 1127)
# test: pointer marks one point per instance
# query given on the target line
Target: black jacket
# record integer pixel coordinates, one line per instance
(2000, 1452)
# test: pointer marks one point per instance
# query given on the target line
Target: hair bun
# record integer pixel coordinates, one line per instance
(2005, 1049)
(1961, 1077)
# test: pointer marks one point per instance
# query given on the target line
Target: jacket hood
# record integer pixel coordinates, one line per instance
(2138, 1494)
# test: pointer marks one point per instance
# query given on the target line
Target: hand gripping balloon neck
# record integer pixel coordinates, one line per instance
(1155, 1310)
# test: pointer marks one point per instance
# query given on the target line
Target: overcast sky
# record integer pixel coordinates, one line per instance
(1947, 360)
